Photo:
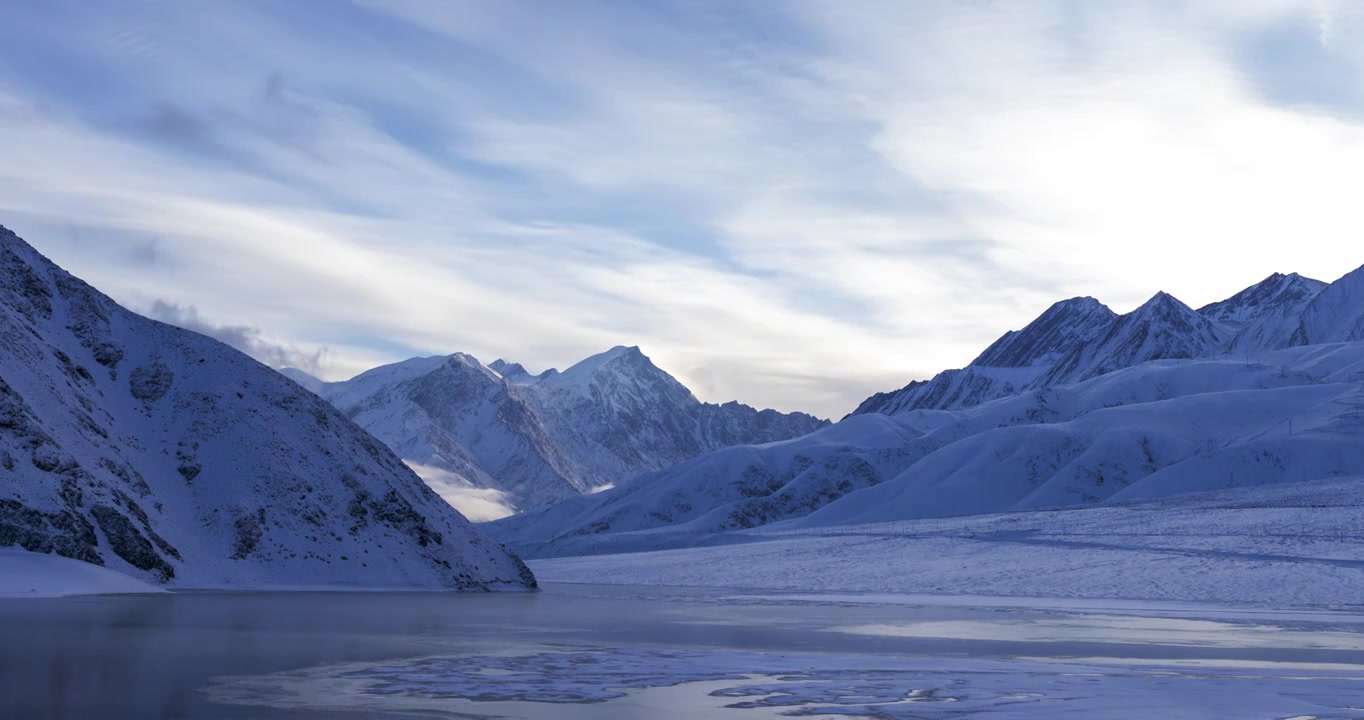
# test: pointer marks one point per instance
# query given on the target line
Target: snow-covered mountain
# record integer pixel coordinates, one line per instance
(1162, 328)
(1157, 429)
(541, 438)
(1080, 338)
(1264, 299)
(169, 456)
(1265, 315)
(1081, 407)
(1336, 314)
(1013, 363)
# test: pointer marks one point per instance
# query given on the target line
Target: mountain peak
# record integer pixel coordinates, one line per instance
(1275, 294)
(616, 355)
(1162, 298)
(511, 372)
(466, 363)
(1054, 332)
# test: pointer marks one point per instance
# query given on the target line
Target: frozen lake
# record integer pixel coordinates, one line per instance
(581, 651)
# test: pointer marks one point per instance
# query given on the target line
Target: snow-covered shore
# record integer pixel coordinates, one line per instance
(31, 575)
(1278, 545)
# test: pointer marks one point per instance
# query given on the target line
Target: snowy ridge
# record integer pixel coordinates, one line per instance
(1336, 314)
(1162, 328)
(1049, 337)
(170, 457)
(537, 439)
(1080, 338)
(1264, 299)
(1157, 429)
(1010, 365)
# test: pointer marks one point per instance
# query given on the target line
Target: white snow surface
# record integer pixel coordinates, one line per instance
(31, 575)
(1280, 545)
(168, 456)
(534, 440)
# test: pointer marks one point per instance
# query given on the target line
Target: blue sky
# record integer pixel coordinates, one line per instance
(791, 204)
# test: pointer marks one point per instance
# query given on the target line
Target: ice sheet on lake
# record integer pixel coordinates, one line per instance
(571, 682)
(1121, 629)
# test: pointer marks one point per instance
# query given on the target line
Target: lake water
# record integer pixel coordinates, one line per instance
(633, 653)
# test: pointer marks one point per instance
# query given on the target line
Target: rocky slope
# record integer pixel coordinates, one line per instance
(166, 455)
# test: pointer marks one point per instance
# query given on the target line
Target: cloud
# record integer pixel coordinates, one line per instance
(792, 208)
(476, 504)
(242, 337)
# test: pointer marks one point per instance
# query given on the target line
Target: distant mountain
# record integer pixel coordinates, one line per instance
(1163, 328)
(1079, 339)
(1081, 407)
(1051, 336)
(1013, 363)
(1265, 299)
(169, 456)
(542, 438)
(1157, 429)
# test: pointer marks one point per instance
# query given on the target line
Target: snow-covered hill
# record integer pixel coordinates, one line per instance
(1157, 429)
(166, 455)
(539, 439)
(1285, 544)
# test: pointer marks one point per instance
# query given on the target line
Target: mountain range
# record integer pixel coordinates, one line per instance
(168, 456)
(1080, 339)
(479, 432)
(1082, 406)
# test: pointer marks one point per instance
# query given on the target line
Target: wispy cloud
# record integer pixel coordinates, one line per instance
(792, 205)
(242, 337)
(476, 504)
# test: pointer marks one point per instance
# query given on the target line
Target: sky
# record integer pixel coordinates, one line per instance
(790, 204)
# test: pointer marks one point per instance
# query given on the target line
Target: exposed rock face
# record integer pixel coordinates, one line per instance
(167, 455)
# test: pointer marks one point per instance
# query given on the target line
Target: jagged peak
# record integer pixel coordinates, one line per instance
(1162, 302)
(464, 362)
(1044, 336)
(1289, 286)
(594, 363)
(465, 359)
(1084, 303)
(1288, 280)
(508, 370)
